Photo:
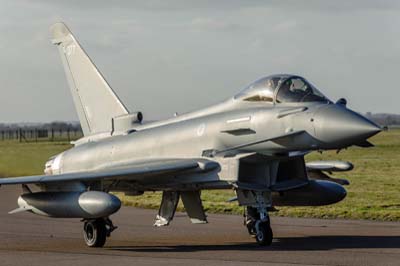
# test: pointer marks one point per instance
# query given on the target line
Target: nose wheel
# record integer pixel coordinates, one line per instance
(264, 233)
(259, 226)
(95, 232)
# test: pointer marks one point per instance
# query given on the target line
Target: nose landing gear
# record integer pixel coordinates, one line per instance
(258, 225)
(264, 233)
(95, 232)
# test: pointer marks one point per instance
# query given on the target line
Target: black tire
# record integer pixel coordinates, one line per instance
(251, 216)
(264, 235)
(95, 233)
(251, 228)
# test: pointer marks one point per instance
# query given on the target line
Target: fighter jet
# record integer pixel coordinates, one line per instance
(253, 143)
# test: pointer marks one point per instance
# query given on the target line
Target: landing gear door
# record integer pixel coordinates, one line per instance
(194, 207)
(167, 209)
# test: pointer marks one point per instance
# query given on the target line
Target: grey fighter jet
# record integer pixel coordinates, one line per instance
(253, 143)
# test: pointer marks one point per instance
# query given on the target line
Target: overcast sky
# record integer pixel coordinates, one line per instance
(164, 56)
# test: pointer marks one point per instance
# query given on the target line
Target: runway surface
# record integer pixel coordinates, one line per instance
(27, 239)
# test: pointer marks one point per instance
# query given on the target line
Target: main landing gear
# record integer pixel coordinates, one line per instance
(96, 231)
(258, 225)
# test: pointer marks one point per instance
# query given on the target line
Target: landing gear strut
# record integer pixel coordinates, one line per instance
(258, 225)
(95, 232)
(257, 201)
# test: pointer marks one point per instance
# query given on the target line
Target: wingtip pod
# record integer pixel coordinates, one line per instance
(59, 32)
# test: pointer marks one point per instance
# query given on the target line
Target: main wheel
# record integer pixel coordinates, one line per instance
(264, 234)
(95, 233)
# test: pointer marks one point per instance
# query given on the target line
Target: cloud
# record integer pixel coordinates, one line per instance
(207, 23)
(285, 26)
(156, 53)
(331, 6)
(212, 5)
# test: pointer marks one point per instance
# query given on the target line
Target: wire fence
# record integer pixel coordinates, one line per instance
(40, 134)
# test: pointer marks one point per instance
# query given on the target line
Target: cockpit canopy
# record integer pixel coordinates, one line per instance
(281, 89)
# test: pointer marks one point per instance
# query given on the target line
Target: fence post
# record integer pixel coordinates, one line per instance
(24, 135)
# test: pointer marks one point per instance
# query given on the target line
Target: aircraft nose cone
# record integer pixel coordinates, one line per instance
(339, 126)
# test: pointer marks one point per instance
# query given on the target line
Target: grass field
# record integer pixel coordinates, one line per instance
(374, 192)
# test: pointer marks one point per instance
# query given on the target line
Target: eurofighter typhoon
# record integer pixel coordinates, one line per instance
(253, 143)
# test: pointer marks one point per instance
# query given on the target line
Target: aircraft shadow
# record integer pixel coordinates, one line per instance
(281, 244)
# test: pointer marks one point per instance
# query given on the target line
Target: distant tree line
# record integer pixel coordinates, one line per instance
(384, 119)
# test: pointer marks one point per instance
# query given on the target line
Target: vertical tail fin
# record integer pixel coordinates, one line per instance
(95, 101)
